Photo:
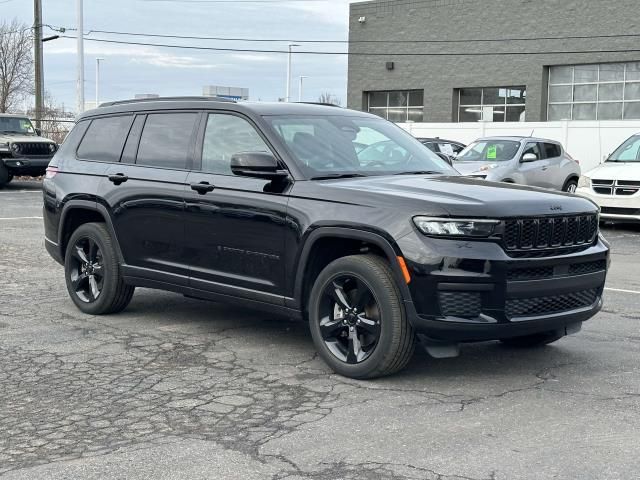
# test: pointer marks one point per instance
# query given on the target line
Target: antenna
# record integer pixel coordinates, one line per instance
(531, 135)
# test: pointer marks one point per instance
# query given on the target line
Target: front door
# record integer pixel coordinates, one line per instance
(535, 172)
(235, 226)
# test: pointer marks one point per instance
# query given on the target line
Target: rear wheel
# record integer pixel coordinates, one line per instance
(532, 341)
(357, 318)
(92, 272)
(571, 186)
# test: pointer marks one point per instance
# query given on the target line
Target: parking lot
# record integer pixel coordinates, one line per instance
(180, 388)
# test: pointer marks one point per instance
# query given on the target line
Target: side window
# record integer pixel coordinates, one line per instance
(105, 138)
(224, 136)
(532, 148)
(552, 150)
(456, 148)
(166, 140)
(446, 148)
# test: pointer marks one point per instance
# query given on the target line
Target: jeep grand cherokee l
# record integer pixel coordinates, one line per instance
(270, 206)
(22, 150)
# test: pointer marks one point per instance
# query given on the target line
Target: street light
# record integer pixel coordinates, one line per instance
(98, 60)
(287, 97)
(302, 77)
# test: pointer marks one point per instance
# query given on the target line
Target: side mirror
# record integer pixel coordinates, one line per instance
(529, 157)
(38, 132)
(257, 165)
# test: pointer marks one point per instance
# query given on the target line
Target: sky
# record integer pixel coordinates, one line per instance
(133, 69)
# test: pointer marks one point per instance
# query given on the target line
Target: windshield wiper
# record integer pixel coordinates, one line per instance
(420, 172)
(338, 175)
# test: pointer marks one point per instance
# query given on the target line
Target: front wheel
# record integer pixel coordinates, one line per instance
(92, 272)
(357, 318)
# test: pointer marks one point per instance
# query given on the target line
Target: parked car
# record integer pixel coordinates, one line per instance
(446, 149)
(22, 150)
(525, 160)
(615, 184)
(269, 206)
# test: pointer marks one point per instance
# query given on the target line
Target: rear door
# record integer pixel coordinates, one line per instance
(235, 226)
(145, 193)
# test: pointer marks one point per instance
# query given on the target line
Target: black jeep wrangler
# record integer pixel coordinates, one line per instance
(281, 208)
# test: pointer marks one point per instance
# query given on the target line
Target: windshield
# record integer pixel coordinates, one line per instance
(16, 125)
(489, 151)
(326, 146)
(629, 151)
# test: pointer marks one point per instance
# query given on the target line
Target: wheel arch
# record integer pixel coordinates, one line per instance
(322, 239)
(572, 176)
(78, 212)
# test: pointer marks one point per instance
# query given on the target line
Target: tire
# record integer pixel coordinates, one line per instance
(395, 336)
(532, 341)
(5, 176)
(113, 294)
(571, 186)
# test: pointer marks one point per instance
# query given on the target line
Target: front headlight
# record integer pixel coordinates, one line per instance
(53, 147)
(584, 182)
(451, 227)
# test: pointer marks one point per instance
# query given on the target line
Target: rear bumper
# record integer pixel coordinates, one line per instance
(486, 295)
(32, 166)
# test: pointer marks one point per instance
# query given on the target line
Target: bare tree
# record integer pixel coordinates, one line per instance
(16, 64)
(329, 98)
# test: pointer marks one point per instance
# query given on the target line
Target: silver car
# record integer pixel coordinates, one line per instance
(525, 160)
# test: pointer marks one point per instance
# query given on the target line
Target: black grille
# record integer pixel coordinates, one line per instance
(538, 306)
(602, 182)
(621, 211)
(628, 183)
(589, 267)
(32, 148)
(530, 273)
(539, 237)
(460, 304)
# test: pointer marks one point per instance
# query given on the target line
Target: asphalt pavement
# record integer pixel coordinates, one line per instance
(180, 388)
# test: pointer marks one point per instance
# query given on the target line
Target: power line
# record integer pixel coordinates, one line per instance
(365, 54)
(460, 40)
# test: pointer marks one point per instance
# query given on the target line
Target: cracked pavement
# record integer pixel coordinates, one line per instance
(180, 388)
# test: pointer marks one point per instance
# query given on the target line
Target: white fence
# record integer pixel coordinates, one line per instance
(586, 141)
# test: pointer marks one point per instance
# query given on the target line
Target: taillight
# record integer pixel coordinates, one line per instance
(51, 172)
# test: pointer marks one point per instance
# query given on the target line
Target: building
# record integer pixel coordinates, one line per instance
(451, 71)
(232, 93)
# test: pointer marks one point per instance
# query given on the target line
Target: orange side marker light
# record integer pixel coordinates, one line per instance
(405, 270)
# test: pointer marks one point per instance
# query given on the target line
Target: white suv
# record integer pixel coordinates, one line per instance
(615, 185)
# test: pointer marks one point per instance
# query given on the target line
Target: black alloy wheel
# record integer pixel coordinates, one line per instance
(87, 269)
(349, 319)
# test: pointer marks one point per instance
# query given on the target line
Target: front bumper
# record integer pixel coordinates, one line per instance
(614, 208)
(31, 166)
(473, 291)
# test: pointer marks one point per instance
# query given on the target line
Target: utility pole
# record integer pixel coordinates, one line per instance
(302, 77)
(37, 50)
(287, 97)
(80, 35)
(98, 60)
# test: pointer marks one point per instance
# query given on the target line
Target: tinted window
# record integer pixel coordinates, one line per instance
(105, 138)
(552, 150)
(225, 136)
(129, 152)
(166, 140)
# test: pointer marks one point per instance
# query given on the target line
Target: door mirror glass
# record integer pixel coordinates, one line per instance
(257, 165)
(529, 157)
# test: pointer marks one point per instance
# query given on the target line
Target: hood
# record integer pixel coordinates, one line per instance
(6, 137)
(468, 168)
(615, 171)
(454, 196)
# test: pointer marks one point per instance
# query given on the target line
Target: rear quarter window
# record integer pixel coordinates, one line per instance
(552, 150)
(104, 139)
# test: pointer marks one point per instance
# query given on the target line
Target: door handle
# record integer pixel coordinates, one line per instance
(118, 178)
(544, 168)
(202, 187)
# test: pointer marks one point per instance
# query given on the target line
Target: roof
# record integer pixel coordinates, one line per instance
(188, 103)
(518, 138)
(14, 115)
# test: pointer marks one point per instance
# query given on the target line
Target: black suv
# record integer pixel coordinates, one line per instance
(270, 206)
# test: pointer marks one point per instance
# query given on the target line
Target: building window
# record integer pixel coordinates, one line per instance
(609, 91)
(495, 104)
(397, 105)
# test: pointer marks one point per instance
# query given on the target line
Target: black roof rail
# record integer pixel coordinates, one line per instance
(167, 99)
(319, 103)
